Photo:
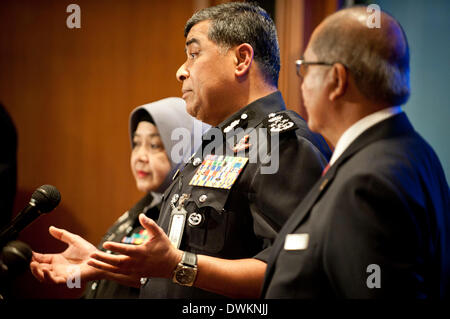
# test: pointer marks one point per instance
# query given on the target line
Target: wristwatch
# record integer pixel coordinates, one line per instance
(186, 270)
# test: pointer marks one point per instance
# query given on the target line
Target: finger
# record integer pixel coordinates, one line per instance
(36, 270)
(50, 277)
(124, 249)
(153, 229)
(62, 234)
(44, 273)
(39, 270)
(107, 267)
(41, 258)
(114, 260)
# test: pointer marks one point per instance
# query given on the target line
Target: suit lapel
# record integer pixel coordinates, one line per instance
(394, 126)
(295, 219)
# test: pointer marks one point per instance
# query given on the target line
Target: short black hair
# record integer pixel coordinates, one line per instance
(235, 23)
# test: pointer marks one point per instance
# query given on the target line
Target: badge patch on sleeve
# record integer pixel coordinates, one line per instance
(218, 171)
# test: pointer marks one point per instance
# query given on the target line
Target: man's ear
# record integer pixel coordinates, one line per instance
(243, 59)
(339, 78)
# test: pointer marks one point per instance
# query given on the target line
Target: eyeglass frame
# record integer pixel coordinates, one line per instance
(299, 63)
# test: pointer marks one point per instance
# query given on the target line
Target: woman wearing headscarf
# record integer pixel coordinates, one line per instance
(154, 160)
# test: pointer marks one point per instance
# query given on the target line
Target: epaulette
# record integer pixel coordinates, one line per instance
(279, 122)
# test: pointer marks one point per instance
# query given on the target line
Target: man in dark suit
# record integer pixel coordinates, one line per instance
(377, 223)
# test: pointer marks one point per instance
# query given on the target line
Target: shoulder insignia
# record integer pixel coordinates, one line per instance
(279, 122)
(241, 121)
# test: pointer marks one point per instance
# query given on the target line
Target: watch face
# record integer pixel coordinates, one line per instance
(185, 275)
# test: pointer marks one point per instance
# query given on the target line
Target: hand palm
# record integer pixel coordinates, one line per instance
(77, 254)
(58, 268)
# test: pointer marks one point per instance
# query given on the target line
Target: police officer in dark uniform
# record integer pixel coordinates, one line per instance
(252, 170)
(240, 221)
(224, 208)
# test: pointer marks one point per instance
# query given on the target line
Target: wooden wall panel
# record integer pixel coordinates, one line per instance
(296, 20)
(70, 92)
(290, 28)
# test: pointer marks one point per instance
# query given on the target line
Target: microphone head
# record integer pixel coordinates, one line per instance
(16, 255)
(46, 198)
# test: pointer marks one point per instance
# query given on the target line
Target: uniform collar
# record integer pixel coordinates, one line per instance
(254, 113)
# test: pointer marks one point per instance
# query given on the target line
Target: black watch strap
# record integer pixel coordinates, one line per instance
(189, 259)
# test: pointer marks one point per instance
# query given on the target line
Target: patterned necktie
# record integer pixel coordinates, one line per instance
(325, 169)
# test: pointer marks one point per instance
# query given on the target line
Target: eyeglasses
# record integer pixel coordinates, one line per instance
(301, 66)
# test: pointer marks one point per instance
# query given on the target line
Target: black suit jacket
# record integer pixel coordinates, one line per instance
(385, 204)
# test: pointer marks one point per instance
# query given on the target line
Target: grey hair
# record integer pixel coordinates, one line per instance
(378, 59)
(235, 23)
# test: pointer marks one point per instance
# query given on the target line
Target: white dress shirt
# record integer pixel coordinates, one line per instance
(359, 127)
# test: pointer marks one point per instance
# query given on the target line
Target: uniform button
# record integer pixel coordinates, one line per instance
(195, 219)
(197, 161)
(202, 198)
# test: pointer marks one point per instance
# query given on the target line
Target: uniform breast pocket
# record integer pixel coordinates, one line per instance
(207, 221)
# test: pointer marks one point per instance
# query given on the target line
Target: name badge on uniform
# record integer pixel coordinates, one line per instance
(219, 171)
(177, 221)
(296, 242)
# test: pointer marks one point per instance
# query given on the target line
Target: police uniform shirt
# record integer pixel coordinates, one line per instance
(242, 221)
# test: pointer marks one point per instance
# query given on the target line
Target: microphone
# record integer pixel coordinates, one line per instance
(43, 200)
(15, 259)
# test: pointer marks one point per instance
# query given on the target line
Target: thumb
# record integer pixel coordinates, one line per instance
(149, 224)
(61, 234)
(55, 232)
